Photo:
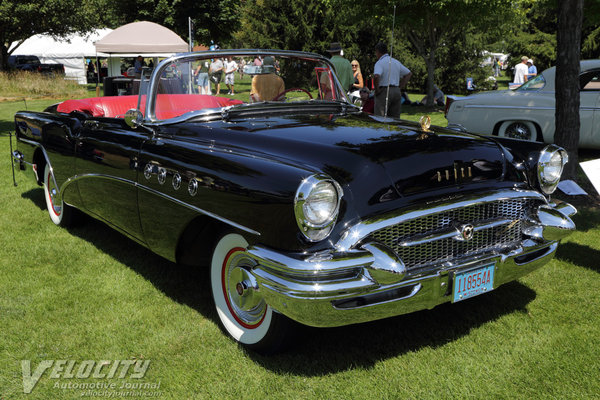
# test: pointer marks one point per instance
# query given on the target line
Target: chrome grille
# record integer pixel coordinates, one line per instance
(447, 249)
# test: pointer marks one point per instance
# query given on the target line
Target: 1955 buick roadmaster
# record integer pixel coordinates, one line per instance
(299, 206)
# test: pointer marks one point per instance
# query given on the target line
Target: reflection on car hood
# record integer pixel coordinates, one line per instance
(379, 161)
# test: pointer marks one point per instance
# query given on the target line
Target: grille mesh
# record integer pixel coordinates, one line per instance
(448, 249)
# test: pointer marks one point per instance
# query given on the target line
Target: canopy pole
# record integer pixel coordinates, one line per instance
(97, 76)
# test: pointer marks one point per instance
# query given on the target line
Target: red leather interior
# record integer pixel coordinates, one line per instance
(167, 105)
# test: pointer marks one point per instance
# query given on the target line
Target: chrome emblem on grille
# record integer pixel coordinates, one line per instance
(466, 232)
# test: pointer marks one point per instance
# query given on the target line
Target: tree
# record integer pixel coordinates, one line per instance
(568, 35)
(430, 24)
(309, 25)
(20, 20)
(213, 20)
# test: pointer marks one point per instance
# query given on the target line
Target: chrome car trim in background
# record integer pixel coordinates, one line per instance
(508, 107)
(361, 230)
(163, 195)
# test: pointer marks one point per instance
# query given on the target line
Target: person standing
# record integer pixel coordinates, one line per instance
(521, 71)
(531, 69)
(230, 68)
(389, 77)
(358, 82)
(216, 73)
(202, 75)
(137, 66)
(342, 67)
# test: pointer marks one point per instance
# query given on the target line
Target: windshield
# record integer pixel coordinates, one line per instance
(213, 80)
(536, 83)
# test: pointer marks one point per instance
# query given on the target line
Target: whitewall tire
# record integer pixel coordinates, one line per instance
(242, 311)
(60, 213)
(524, 130)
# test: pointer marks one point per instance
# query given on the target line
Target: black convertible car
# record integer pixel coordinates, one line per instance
(299, 205)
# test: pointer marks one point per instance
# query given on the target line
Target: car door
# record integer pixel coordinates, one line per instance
(106, 168)
(589, 135)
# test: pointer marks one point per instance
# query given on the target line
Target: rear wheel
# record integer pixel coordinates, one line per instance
(60, 213)
(242, 311)
(524, 130)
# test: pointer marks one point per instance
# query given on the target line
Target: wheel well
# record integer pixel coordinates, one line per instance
(538, 130)
(40, 161)
(197, 240)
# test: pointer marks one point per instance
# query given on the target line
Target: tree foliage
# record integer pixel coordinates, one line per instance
(309, 25)
(213, 20)
(20, 20)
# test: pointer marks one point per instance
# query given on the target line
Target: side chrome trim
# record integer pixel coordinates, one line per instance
(163, 195)
(362, 229)
(509, 107)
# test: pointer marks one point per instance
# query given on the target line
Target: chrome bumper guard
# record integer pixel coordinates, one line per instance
(338, 287)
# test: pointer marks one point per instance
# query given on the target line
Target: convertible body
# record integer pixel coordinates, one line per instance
(303, 208)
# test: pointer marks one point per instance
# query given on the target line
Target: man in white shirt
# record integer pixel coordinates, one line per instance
(230, 67)
(390, 76)
(521, 71)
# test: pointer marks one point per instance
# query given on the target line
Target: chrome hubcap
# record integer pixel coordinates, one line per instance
(54, 199)
(518, 131)
(241, 290)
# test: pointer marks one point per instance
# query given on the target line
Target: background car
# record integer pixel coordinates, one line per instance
(528, 111)
(297, 205)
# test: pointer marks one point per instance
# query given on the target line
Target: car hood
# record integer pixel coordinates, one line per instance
(377, 161)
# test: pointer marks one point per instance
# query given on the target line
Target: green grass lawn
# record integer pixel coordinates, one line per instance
(88, 293)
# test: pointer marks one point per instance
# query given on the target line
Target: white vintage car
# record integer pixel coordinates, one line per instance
(528, 112)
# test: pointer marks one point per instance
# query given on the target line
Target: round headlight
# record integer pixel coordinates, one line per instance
(550, 166)
(316, 206)
(320, 205)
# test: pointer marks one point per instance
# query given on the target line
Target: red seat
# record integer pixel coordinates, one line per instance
(167, 105)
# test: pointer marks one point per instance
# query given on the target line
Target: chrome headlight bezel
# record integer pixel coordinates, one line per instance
(316, 232)
(551, 158)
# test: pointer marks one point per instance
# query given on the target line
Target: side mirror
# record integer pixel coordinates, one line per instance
(133, 118)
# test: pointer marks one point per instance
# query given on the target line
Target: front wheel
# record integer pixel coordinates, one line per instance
(242, 311)
(60, 213)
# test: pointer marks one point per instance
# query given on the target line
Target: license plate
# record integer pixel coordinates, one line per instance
(474, 282)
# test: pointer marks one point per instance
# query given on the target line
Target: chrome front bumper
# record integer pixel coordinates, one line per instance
(342, 287)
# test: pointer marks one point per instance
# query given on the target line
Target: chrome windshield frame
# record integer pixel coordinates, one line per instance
(150, 114)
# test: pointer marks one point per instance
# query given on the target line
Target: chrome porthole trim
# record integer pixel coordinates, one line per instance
(193, 187)
(162, 175)
(148, 171)
(176, 182)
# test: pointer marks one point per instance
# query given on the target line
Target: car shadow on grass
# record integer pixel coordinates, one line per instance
(320, 351)
(315, 351)
(185, 285)
(578, 254)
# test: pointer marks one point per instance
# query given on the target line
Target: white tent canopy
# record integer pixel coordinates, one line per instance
(71, 51)
(144, 37)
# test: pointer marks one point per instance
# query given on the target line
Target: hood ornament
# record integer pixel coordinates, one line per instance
(425, 122)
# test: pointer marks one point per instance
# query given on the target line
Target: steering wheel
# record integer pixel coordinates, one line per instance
(282, 94)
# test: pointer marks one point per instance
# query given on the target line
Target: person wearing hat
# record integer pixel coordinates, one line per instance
(268, 86)
(531, 69)
(521, 71)
(342, 67)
